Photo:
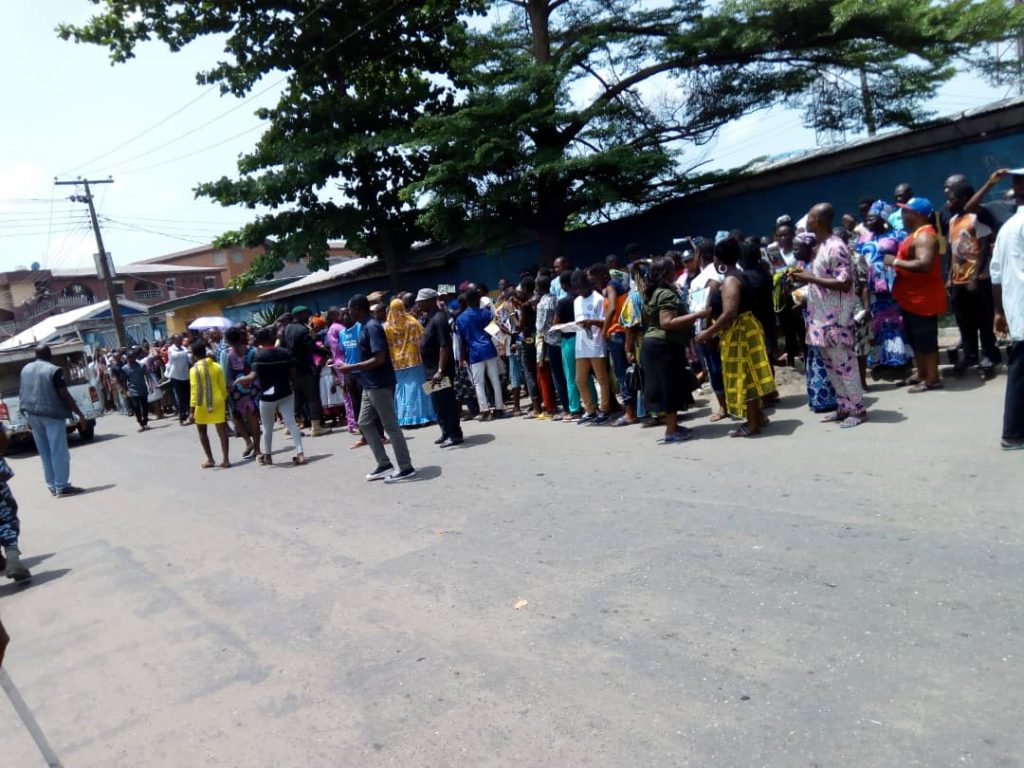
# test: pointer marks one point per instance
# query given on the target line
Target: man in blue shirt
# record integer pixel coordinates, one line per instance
(479, 351)
(377, 377)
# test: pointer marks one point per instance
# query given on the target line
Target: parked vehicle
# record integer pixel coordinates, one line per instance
(72, 358)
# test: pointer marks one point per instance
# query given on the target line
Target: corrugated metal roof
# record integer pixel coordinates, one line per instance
(52, 326)
(321, 278)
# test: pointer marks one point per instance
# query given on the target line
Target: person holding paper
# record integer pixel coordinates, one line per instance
(480, 353)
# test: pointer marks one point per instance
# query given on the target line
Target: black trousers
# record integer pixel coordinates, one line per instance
(1013, 411)
(447, 409)
(140, 408)
(791, 319)
(307, 393)
(975, 313)
(180, 390)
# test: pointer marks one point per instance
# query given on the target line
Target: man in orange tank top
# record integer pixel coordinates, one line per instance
(920, 290)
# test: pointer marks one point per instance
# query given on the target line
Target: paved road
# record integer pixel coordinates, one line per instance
(809, 598)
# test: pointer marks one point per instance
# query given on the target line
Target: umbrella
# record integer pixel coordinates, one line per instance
(208, 323)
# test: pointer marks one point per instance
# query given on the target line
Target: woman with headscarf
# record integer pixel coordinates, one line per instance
(888, 346)
(668, 382)
(746, 371)
(412, 404)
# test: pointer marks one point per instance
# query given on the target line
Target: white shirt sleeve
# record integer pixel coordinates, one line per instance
(995, 266)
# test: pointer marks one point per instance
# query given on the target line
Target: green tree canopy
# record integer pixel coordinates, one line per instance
(573, 106)
(359, 74)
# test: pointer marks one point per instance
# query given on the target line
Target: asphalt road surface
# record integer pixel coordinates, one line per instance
(546, 595)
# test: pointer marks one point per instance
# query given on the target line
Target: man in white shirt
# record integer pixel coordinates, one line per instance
(1007, 271)
(591, 349)
(177, 373)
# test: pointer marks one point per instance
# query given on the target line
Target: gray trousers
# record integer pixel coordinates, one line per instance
(380, 404)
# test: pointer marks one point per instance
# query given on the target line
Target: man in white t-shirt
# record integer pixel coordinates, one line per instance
(591, 349)
(177, 373)
(1007, 271)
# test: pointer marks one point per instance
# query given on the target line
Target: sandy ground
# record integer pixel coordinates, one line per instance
(809, 598)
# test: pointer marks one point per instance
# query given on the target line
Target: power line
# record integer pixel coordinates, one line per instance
(191, 154)
(256, 94)
(175, 113)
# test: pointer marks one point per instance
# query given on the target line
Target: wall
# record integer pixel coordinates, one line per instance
(752, 211)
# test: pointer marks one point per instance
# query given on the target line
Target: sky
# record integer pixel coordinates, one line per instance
(68, 113)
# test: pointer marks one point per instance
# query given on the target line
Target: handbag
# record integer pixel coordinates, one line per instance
(635, 377)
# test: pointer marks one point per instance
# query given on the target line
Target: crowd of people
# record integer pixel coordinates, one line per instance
(604, 345)
(849, 297)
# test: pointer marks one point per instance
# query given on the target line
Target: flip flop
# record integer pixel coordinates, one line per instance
(852, 421)
(718, 416)
(833, 417)
(744, 431)
(912, 381)
(922, 387)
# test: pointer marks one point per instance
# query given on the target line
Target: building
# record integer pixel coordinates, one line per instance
(142, 283)
(232, 261)
(91, 323)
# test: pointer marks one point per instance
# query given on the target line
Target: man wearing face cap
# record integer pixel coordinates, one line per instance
(1007, 271)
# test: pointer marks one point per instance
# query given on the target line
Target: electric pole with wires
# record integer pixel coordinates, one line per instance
(104, 262)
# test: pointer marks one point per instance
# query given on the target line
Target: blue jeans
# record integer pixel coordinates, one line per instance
(51, 439)
(617, 352)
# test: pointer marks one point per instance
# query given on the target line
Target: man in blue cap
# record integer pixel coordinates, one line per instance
(920, 290)
(1007, 270)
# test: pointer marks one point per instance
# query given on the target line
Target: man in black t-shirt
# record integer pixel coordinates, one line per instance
(378, 380)
(439, 367)
(299, 343)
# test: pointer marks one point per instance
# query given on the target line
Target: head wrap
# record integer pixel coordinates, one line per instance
(881, 209)
(806, 238)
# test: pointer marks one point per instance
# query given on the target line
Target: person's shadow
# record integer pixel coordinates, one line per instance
(38, 579)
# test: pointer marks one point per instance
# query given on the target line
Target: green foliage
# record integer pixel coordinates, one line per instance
(561, 112)
(360, 73)
(573, 107)
(269, 315)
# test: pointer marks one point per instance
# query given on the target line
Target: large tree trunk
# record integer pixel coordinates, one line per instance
(392, 261)
(551, 239)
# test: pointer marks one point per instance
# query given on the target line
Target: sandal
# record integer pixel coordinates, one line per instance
(249, 452)
(622, 421)
(744, 431)
(911, 381)
(922, 387)
(718, 416)
(675, 437)
(853, 421)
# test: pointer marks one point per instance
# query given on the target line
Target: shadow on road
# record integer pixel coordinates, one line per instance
(426, 473)
(37, 579)
(98, 488)
(32, 562)
(882, 416)
(470, 440)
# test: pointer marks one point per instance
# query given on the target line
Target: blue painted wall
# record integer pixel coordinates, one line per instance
(754, 212)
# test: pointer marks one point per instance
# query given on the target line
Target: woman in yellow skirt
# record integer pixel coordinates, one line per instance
(209, 403)
(745, 369)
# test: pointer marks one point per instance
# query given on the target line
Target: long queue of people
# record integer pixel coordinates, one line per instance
(608, 345)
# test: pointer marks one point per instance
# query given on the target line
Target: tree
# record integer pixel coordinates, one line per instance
(359, 74)
(572, 106)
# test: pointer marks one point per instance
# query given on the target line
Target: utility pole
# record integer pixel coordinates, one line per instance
(108, 280)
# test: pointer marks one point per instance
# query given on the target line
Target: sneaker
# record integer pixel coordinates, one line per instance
(69, 490)
(441, 440)
(397, 477)
(452, 441)
(586, 418)
(602, 418)
(382, 471)
(987, 368)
